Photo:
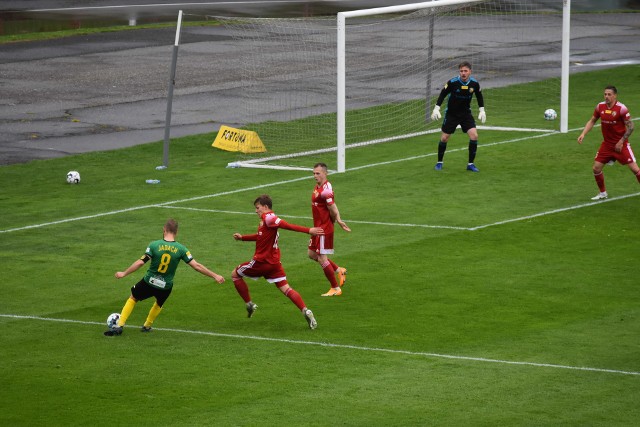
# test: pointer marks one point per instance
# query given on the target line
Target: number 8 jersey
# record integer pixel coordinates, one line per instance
(165, 257)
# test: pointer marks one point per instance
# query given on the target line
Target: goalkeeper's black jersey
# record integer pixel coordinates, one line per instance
(460, 94)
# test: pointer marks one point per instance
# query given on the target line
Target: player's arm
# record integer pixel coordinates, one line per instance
(482, 115)
(435, 115)
(335, 217)
(314, 231)
(245, 237)
(133, 267)
(587, 128)
(628, 124)
(205, 271)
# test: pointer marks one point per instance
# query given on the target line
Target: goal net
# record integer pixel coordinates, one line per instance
(321, 85)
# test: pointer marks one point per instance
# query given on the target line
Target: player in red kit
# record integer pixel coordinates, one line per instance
(325, 213)
(616, 128)
(266, 259)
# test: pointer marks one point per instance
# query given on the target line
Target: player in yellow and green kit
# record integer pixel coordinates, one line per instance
(165, 256)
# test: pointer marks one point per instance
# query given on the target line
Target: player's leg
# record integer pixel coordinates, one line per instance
(295, 297)
(237, 274)
(161, 296)
(627, 156)
(442, 147)
(318, 250)
(469, 127)
(599, 177)
(140, 291)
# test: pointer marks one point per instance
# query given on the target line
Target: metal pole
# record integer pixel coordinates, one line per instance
(172, 83)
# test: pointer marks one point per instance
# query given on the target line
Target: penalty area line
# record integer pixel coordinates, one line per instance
(344, 346)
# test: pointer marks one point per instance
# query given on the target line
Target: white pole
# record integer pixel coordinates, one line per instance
(564, 85)
(341, 90)
(172, 83)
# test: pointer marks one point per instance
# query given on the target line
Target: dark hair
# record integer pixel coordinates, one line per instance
(320, 165)
(264, 200)
(464, 64)
(171, 226)
(613, 88)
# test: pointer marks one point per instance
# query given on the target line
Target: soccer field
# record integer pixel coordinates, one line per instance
(505, 297)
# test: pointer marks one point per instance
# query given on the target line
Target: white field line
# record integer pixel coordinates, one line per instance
(207, 196)
(345, 346)
(224, 193)
(393, 224)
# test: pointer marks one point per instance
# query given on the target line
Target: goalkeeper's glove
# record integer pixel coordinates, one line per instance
(436, 113)
(482, 116)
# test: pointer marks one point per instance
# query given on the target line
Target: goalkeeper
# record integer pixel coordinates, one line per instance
(458, 112)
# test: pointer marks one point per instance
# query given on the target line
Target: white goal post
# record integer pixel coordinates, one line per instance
(312, 86)
(341, 60)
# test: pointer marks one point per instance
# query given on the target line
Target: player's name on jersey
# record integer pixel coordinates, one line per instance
(168, 248)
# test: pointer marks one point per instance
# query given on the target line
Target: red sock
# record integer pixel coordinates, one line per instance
(295, 298)
(600, 181)
(330, 273)
(242, 288)
(638, 176)
(333, 265)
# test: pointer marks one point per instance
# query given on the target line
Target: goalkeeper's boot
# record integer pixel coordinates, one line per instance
(145, 329)
(251, 308)
(600, 196)
(333, 292)
(115, 331)
(342, 276)
(308, 315)
(471, 167)
(438, 166)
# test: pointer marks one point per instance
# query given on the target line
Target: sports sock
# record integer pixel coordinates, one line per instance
(242, 288)
(330, 273)
(334, 265)
(295, 297)
(600, 181)
(126, 311)
(442, 147)
(153, 314)
(473, 147)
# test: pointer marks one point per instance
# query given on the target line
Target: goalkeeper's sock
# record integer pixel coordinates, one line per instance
(126, 311)
(242, 288)
(473, 147)
(600, 181)
(153, 314)
(295, 297)
(330, 273)
(442, 147)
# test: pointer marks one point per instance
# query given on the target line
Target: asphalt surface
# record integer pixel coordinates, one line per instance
(108, 91)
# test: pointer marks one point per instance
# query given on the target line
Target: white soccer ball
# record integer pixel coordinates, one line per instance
(112, 320)
(73, 177)
(550, 114)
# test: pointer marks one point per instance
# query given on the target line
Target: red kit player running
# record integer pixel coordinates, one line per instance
(266, 259)
(325, 212)
(616, 129)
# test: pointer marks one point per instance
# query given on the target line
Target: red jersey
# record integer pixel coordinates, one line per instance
(612, 120)
(267, 249)
(321, 199)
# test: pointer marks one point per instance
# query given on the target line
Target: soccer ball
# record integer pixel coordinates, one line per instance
(112, 320)
(73, 177)
(550, 114)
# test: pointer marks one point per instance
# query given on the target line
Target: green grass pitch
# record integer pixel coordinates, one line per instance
(500, 298)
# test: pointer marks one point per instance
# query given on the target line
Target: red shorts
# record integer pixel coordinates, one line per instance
(274, 273)
(606, 152)
(322, 244)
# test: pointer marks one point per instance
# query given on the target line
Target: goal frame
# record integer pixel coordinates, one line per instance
(341, 61)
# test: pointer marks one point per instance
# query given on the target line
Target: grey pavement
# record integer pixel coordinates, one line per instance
(108, 91)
